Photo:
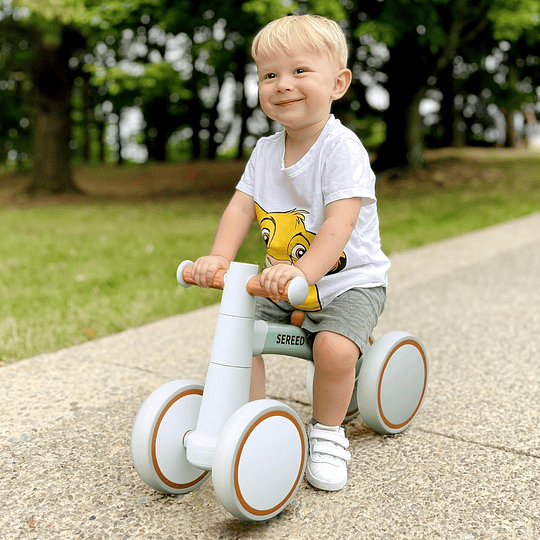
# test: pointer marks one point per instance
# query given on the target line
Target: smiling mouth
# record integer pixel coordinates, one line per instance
(288, 102)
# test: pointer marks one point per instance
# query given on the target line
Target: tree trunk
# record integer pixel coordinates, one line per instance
(157, 128)
(245, 112)
(213, 114)
(89, 117)
(414, 132)
(53, 85)
(510, 140)
(194, 120)
(120, 159)
(100, 126)
(404, 143)
(448, 108)
(241, 99)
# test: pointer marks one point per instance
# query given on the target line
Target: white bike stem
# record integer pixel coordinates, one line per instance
(229, 372)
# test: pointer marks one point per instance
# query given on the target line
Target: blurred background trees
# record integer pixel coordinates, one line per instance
(85, 81)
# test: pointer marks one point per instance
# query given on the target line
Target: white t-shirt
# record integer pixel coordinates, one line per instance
(290, 203)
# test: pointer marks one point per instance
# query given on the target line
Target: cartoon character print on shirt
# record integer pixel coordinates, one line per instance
(287, 240)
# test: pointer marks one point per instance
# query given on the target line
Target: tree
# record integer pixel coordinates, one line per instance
(493, 74)
(16, 53)
(219, 40)
(91, 61)
(62, 31)
(423, 38)
(53, 82)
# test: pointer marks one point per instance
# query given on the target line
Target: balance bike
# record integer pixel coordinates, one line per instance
(257, 451)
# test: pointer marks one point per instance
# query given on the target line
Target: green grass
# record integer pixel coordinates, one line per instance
(72, 273)
(412, 216)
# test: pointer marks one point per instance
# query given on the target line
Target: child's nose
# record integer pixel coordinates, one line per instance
(284, 84)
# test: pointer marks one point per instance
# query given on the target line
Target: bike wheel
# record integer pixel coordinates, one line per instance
(259, 460)
(392, 382)
(157, 441)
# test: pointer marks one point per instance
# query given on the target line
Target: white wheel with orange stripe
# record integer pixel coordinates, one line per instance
(157, 441)
(392, 382)
(259, 460)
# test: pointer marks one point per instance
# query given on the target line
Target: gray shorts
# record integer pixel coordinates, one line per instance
(353, 314)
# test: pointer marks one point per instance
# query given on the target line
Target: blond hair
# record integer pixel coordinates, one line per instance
(318, 33)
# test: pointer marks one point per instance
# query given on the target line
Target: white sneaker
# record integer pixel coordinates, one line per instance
(327, 462)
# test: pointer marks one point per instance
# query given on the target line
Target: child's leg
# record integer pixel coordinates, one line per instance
(335, 359)
(258, 379)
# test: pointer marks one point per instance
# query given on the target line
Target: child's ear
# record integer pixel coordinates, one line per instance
(342, 83)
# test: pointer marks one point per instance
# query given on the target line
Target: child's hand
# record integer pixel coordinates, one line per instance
(275, 279)
(205, 268)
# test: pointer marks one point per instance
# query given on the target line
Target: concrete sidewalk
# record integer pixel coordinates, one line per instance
(469, 467)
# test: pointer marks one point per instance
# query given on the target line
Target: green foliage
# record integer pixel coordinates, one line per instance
(64, 12)
(267, 10)
(399, 19)
(15, 90)
(84, 12)
(333, 9)
(152, 81)
(123, 61)
(511, 18)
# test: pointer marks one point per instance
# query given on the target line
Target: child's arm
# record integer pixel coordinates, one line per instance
(233, 228)
(340, 219)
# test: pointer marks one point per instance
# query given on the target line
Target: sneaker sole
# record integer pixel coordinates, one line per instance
(321, 484)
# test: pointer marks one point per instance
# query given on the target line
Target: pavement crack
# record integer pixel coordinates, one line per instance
(478, 443)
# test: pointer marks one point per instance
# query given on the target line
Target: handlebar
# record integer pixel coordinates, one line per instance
(296, 291)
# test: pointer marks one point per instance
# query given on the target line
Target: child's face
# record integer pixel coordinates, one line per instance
(297, 89)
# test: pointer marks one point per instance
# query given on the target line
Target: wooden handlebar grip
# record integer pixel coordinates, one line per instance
(254, 288)
(253, 285)
(217, 282)
(296, 291)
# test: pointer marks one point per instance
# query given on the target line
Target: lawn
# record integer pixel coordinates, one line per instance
(79, 269)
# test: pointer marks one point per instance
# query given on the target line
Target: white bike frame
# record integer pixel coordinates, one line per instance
(257, 451)
(284, 339)
(237, 339)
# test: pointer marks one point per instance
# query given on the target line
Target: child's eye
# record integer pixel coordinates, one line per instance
(270, 76)
(299, 71)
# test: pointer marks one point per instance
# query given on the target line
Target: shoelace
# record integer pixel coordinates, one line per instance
(329, 443)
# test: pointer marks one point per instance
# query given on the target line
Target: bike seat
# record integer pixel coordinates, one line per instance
(297, 318)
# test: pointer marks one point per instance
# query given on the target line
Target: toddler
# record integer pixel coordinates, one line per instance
(312, 191)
